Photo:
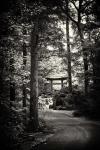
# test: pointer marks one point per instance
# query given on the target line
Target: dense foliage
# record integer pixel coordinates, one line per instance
(32, 38)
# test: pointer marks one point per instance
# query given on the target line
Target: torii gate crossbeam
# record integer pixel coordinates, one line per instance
(54, 79)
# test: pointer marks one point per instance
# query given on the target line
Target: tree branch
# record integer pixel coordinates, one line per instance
(64, 11)
(79, 11)
(74, 4)
(86, 5)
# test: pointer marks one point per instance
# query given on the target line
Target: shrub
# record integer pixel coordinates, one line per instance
(75, 100)
(11, 127)
(63, 100)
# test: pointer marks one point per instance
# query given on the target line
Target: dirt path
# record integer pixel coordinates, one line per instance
(70, 133)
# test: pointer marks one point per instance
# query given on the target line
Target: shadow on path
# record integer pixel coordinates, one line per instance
(71, 133)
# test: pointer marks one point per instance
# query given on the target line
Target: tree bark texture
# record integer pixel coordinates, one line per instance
(12, 82)
(85, 61)
(68, 50)
(34, 78)
(24, 68)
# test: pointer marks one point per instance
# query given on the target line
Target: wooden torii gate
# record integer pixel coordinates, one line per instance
(56, 79)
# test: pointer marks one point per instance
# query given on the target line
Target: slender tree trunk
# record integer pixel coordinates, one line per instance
(96, 93)
(85, 61)
(12, 82)
(34, 79)
(24, 68)
(92, 56)
(85, 55)
(68, 49)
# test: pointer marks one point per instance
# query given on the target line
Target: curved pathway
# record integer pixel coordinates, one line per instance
(70, 133)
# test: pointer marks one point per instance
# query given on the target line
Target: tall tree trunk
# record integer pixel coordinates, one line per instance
(92, 56)
(34, 79)
(85, 55)
(68, 49)
(12, 82)
(85, 60)
(24, 68)
(96, 93)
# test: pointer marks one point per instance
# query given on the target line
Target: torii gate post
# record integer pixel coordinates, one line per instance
(62, 85)
(51, 84)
